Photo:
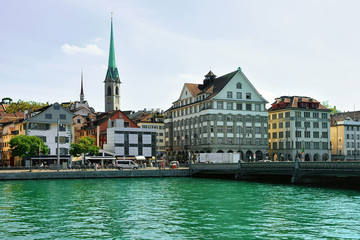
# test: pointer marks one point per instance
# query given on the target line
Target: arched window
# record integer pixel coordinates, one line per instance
(239, 85)
(109, 91)
(117, 90)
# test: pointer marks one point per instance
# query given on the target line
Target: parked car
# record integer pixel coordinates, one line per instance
(126, 164)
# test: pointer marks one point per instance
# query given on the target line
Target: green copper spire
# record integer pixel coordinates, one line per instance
(112, 49)
(112, 72)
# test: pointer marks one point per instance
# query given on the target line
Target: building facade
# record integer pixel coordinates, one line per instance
(44, 124)
(124, 141)
(345, 137)
(299, 127)
(224, 114)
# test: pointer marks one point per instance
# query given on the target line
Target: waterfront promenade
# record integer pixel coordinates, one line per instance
(26, 174)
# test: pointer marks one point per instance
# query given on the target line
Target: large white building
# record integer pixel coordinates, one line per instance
(44, 124)
(224, 114)
(297, 123)
(125, 141)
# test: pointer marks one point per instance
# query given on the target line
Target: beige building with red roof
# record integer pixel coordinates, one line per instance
(299, 127)
(223, 114)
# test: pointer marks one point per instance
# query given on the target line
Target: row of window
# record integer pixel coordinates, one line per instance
(298, 134)
(299, 114)
(220, 117)
(50, 116)
(45, 126)
(238, 95)
(299, 145)
(352, 128)
(221, 140)
(352, 144)
(299, 124)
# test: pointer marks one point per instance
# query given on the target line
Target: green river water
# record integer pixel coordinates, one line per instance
(175, 208)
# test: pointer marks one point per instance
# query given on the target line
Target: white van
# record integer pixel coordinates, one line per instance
(126, 164)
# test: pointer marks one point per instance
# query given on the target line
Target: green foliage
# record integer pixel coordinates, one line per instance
(86, 145)
(6, 100)
(27, 146)
(21, 106)
(333, 109)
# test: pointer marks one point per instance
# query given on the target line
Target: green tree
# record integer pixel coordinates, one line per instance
(333, 109)
(86, 145)
(21, 106)
(28, 146)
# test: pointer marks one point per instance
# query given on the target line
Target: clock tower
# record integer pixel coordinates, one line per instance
(112, 79)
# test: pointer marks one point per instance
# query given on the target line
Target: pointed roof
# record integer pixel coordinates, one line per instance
(112, 73)
(82, 87)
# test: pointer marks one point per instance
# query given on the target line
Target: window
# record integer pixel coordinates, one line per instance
(316, 145)
(248, 95)
(274, 126)
(239, 85)
(229, 106)
(219, 117)
(56, 107)
(62, 139)
(315, 115)
(257, 130)
(220, 140)
(229, 95)
(39, 126)
(62, 127)
(219, 129)
(248, 107)
(238, 95)
(307, 134)
(315, 124)
(297, 124)
(229, 141)
(238, 106)
(281, 145)
(324, 115)
(229, 118)
(324, 125)
(274, 145)
(297, 134)
(238, 129)
(229, 129)
(307, 145)
(287, 124)
(257, 141)
(297, 114)
(281, 134)
(287, 134)
(117, 90)
(324, 134)
(62, 116)
(219, 105)
(307, 114)
(78, 120)
(281, 115)
(307, 124)
(48, 116)
(274, 135)
(248, 130)
(324, 145)
(281, 125)
(238, 118)
(316, 134)
(287, 114)
(109, 91)
(257, 107)
(248, 118)
(274, 116)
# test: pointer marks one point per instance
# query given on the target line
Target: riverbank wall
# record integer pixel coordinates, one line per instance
(77, 174)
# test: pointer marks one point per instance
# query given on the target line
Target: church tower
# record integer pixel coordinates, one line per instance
(82, 88)
(112, 79)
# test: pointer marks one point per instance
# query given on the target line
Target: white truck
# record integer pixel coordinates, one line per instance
(218, 158)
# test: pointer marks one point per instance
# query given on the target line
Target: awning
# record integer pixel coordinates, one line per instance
(140, 158)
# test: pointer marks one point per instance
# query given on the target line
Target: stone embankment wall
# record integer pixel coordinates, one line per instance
(13, 175)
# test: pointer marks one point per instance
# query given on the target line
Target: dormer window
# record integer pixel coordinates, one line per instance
(239, 85)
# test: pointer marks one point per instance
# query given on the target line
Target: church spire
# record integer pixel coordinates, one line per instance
(112, 79)
(112, 72)
(82, 87)
(112, 48)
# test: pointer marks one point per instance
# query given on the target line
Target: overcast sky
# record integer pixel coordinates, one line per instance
(307, 48)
